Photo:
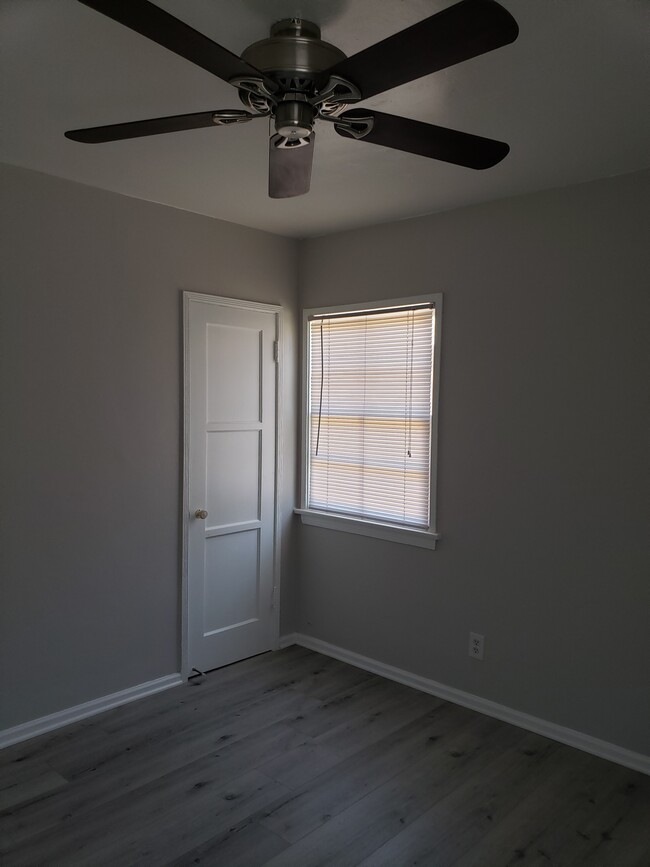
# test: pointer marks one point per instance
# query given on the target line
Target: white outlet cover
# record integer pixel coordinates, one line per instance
(476, 645)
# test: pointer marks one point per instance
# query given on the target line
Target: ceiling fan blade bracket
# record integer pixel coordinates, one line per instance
(228, 116)
(284, 143)
(250, 84)
(337, 93)
(255, 94)
(258, 105)
(357, 127)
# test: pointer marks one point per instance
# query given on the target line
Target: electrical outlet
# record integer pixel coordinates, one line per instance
(476, 645)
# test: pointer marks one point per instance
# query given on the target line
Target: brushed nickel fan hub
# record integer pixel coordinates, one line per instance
(295, 58)
(293, 54)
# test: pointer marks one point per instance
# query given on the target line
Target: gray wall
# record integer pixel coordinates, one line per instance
(543, 458)
(541, 446)
(90, 429)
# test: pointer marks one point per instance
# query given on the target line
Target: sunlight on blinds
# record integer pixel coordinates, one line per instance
(370, 414)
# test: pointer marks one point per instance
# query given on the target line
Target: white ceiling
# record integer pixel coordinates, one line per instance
(570, 96)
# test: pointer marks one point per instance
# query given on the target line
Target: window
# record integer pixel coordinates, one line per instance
(370, 395)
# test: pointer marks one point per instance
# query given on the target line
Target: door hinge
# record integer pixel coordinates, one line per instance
(274, 596)
(276, 350)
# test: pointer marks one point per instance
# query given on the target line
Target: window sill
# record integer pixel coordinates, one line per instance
(374, 529)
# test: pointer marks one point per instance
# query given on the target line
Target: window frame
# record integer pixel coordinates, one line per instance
(420, 537)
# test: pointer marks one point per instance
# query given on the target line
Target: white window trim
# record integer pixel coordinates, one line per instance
(422, 538)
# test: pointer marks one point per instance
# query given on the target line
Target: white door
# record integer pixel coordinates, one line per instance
(230, 410)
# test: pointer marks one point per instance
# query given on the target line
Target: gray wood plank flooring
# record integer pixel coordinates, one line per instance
(293, 759)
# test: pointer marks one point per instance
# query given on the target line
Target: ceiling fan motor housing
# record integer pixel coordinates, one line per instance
(293, 56)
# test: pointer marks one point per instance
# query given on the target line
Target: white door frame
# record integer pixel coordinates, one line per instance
(188, 298)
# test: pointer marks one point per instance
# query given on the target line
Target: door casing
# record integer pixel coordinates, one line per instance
(277, 310)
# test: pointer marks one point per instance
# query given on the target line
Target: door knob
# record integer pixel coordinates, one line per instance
(201, 514)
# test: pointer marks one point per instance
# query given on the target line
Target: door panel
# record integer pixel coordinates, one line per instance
(231, 382)
(233, 470)
(231, 596)
(229, 349)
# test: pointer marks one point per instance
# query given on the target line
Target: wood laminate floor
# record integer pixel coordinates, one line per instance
(293, 759)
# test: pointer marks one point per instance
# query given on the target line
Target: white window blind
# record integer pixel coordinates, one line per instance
(370, 414)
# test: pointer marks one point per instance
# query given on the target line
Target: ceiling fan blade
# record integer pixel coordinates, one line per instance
(465, 30)
(156, 24)
(289, 168)
(157, 125)
(427, 140)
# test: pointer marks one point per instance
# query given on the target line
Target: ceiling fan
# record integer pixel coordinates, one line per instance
(294, 78)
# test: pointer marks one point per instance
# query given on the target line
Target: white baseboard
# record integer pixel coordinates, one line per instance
(571, 737)
(61, 718)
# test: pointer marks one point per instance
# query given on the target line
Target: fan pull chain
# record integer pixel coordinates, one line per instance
(410, 398)
(322, 378)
